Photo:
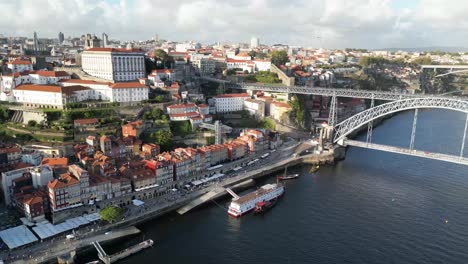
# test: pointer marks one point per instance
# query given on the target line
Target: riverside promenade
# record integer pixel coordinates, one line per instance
(153, 208)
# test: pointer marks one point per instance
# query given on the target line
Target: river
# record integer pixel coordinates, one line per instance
(373, 207)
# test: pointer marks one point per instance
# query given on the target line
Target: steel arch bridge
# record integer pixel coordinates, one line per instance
(353, 123)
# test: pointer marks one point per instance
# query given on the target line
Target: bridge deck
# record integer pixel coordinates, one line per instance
(338, 92)
(404, 151)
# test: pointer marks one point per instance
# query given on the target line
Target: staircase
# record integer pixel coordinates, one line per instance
(17, 117)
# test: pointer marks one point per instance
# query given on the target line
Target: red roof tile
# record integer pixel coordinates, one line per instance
(127, 85)
(232, 95)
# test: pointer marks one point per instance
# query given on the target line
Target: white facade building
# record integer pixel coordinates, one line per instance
(230, 102)
(204, 63)
(244, 65)
(168, 74)
(254, 42)
(9, 82)
(20, 65)
(262, 65)
(123, 92)
(114, 64)
(49, 95)
(183, 47)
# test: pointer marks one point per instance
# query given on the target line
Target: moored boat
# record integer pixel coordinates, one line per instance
(288, 177)
(242, 205)
(264, 206)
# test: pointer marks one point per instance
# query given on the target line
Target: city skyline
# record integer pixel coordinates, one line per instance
(331, 24)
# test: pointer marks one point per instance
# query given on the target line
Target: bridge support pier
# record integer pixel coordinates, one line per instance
(464, 137)
(413, 131)
(370, 124)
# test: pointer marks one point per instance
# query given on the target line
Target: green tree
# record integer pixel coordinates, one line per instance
(181, 128)
(162, 58)
(32, 123)
(163, 138)
(111, 214)
(252, 53)
(4, 113)
(298, 108)
(422, 60)
(268, 123)
(260, 55)
(366, 61)
(279, 57)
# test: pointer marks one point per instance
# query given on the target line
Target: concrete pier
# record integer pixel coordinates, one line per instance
(212, 195)
(314, 159)
(108, 259)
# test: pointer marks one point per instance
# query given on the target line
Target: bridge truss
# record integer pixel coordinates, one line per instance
(332, 92)
(353, 123)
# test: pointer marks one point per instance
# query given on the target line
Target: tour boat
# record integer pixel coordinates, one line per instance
(262, 207)
(242, 205)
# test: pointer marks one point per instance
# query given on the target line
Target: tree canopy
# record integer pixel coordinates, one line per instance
(155, 114)
(422, 60)
(279, 57)
(161, 137)
(111, 214)
(268, 123)
(369, 60)
(162, 58)
(181, 128)
(4, 113)
(263, 77)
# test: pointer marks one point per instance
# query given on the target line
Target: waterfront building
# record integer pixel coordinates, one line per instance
(236, 149)
(64, 192)
(215, 154)
(119, 65)
(225, 103)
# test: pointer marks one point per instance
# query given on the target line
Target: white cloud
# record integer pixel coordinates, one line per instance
(331, 23)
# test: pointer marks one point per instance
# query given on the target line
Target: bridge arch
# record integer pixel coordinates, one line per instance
(353, 123)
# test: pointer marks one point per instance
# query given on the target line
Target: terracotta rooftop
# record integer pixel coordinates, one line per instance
(54, 161)
(281, 104)
(52, 73)
(182, 105)
(113, 50)
(22, 62)
(127, 85)
(232, 95)
(51, 88)
(79, 81)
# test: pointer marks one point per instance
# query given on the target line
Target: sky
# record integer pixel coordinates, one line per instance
(310, 23)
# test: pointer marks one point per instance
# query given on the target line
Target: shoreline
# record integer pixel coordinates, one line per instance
(168, 207)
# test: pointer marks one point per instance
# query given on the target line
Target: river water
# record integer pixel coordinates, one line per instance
(373, 207)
